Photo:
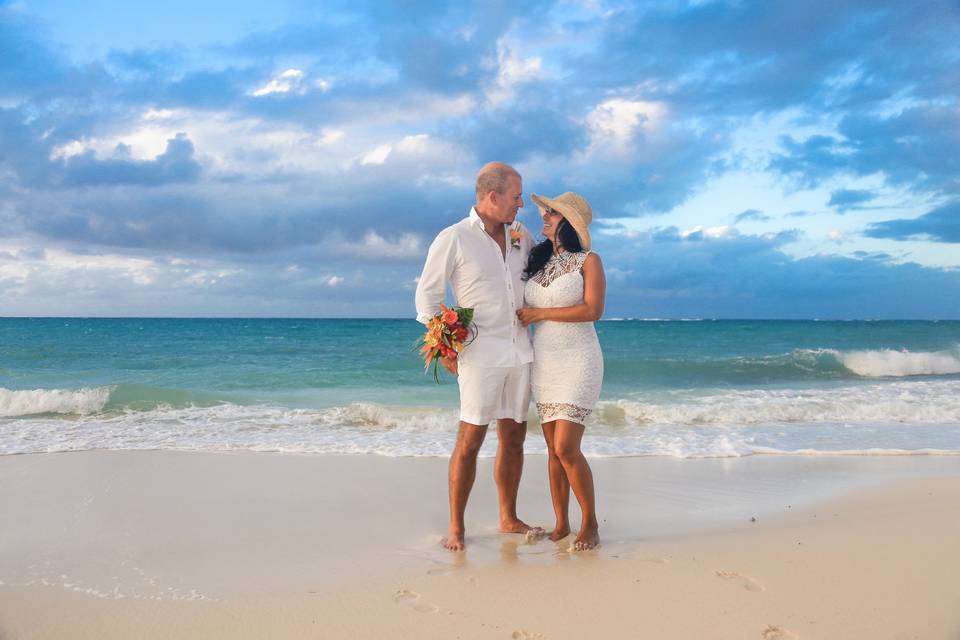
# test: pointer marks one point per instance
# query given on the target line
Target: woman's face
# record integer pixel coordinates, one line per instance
(551, 223)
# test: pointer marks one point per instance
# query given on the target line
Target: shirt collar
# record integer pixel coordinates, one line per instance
(476, 220)
(475, 217)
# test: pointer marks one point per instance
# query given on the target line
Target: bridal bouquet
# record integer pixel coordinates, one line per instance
(446, 335)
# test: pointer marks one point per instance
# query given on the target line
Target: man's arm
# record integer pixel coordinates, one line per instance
(432, 286)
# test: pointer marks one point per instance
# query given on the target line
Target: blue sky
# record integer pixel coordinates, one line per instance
(744, 159)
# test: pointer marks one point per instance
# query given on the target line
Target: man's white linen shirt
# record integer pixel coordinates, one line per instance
(484, 279)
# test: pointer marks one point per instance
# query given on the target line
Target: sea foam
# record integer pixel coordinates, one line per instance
(866, 417)
(914, 402)
(64, 401)
(892, 363)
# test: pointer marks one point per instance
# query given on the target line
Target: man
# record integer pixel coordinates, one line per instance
(484, 262)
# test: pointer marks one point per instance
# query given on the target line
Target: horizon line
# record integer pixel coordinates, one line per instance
(405, 318)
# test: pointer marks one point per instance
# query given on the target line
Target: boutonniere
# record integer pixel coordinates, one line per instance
(516, 234)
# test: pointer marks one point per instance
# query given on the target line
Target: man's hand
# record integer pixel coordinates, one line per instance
(450, 364)
(529, 315)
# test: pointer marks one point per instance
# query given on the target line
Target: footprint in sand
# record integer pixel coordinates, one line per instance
(403, 595)
(773, 632)
(411, 598)
(527, 635)
(747, 582)
(654, 559)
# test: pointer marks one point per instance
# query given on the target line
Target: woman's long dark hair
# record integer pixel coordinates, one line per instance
(540, 254)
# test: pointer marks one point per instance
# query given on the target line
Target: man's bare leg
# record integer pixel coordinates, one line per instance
(567, 437)
(463, 470)
(559, 485)
(507, 470)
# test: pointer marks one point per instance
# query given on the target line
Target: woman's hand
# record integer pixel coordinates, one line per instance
(529, 315)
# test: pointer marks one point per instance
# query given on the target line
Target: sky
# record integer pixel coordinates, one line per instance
(765, 159)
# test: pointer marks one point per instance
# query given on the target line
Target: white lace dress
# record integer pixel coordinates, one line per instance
(567, 361)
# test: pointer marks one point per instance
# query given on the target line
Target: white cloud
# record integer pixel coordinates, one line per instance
(69, 149)
(57, 269)
(612, 123)
(512, 71)
(329, 136)
(721, 232)
(373, 245)
(414, 144)
(406, 246)
(334, 281)
(159, 114)
(224, 142)
(285, 82)
(378, 155)
(836, 235)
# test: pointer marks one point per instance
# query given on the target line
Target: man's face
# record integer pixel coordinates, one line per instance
(507, 203)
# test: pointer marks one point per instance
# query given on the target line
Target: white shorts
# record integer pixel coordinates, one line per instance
(492, 393)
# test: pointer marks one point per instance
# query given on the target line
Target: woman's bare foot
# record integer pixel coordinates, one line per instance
(454, 540)
(588, 539)
(559, 532)
(518, 526)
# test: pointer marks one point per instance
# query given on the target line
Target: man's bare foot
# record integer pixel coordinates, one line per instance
(588, 539)
(518, 526)
(559, 533)
(454, 540)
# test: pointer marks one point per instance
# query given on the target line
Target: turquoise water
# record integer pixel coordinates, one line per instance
(681, 388)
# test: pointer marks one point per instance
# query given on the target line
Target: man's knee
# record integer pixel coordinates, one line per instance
(512, 434)
(469, 440)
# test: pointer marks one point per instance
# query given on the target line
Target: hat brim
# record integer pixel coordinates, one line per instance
(569, 214)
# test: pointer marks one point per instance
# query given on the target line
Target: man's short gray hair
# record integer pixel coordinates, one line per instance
(493, 177)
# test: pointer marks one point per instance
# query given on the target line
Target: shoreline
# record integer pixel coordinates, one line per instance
(99, 542)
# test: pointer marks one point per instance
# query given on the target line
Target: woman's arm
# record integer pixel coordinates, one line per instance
(594, 292)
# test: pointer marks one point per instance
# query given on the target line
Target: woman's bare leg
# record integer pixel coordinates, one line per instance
(559, 485)
(566, 444)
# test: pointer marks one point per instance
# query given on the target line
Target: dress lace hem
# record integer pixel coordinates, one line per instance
(550, 411)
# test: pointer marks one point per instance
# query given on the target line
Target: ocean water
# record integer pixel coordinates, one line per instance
(671, 388)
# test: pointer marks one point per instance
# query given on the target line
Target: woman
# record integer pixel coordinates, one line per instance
(564, 293)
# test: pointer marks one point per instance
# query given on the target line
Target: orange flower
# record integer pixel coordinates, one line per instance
(515, 236)
(449, 316)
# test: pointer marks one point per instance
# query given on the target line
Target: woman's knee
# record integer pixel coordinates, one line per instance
(568, 452)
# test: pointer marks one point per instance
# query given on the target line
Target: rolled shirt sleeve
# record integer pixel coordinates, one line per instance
(432, 285)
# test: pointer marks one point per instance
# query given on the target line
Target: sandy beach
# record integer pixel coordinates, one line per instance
(161, 544)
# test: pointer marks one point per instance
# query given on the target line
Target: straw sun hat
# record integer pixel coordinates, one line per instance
(574, 208)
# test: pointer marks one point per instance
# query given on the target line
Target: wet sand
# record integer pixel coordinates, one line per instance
(160, 544)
